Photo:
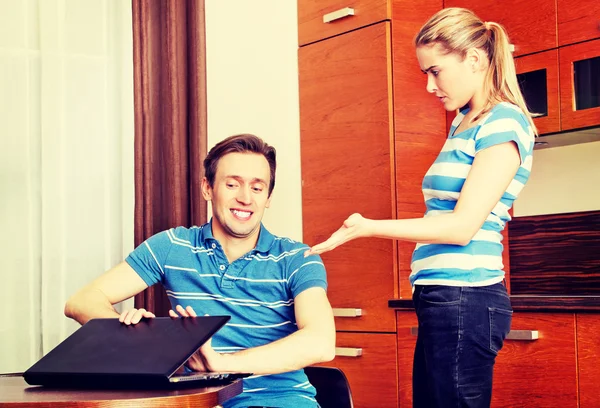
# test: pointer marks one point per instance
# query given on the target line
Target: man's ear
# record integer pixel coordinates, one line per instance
(206, 189)
(269, 201)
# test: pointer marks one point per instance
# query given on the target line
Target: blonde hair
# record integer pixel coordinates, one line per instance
(457, 30)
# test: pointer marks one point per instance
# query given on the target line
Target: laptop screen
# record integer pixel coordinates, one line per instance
(155, 346)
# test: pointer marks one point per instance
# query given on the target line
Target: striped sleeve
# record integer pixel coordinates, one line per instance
(149, 258)
(305, 273)
(507, 124)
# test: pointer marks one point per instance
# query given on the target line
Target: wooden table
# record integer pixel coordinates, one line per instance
(15, 392)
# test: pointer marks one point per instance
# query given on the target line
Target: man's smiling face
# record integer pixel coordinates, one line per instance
(239, 195)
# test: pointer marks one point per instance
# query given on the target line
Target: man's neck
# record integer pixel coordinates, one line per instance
(233, 247)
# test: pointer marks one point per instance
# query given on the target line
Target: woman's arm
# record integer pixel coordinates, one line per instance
(492, 171)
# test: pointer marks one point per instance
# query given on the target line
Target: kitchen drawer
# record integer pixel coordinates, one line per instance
(538, 373)
(369, 362)
(319, 19)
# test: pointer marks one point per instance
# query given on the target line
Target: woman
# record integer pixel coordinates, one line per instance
(462, 306)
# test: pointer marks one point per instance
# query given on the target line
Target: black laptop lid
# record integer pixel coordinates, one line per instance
(155, 346)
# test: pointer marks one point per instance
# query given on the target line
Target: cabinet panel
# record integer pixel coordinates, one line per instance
(406, 322)
(372, 375)
(346, 155)
(578, 20)
(418, 122)
(529, 31)
(538, 373)
(319, 19)
(588, 352)
(546, 64)
(572, 116)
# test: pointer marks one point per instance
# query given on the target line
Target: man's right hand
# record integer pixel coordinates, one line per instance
(134, 316)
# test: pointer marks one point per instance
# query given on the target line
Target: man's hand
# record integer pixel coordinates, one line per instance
(206, 358)
(354, 227)
(134, 316)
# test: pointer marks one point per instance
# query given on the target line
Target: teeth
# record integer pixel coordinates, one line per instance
(243, 214)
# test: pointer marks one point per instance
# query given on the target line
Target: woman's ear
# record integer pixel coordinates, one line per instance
(475, 59)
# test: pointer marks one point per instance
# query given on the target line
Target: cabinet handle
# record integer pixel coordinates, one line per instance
(348, 352)
(347, 312)
(524, 335)
(336, 15)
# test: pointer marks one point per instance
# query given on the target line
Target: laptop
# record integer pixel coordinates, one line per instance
(104, 353)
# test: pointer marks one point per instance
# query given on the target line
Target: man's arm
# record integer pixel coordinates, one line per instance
(96, 300)
(314, 342)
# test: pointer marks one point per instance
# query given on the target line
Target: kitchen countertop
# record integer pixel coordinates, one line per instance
(523, 303)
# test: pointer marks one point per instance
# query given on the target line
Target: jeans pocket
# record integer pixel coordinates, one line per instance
(440, 295)
(500, 320)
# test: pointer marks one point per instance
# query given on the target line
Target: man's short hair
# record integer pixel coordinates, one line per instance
(244, 143)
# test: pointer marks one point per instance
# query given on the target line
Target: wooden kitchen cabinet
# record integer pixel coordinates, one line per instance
(319, 19)
(538, 373)
(346, 157)
(528, 31)
(550, 371)
(577, 21)
(538, 79)
(406, 325)
(369, 132)
(588, 352)
(580, 85)
(419, 124)
(369, 362)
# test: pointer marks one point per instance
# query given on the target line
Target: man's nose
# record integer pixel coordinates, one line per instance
(244, 195)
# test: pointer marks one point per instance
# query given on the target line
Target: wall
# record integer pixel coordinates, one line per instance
(563, 179)
(252, 80)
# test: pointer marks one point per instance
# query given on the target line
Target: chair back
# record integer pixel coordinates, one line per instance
(333, 390)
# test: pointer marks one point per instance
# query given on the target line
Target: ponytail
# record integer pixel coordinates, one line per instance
(501, 81)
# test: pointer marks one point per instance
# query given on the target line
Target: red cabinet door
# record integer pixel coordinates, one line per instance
(531, 26)
(346, 154)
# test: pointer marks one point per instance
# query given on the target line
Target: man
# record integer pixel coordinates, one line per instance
(281, 319)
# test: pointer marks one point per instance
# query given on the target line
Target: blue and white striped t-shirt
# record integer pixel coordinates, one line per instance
(257, 291)
(480, 262)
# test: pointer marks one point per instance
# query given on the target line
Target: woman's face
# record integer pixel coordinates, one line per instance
(449, 77)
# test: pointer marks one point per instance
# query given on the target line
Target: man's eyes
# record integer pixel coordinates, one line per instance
(256, 189)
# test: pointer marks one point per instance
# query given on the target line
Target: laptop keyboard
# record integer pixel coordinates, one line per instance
(193, 376)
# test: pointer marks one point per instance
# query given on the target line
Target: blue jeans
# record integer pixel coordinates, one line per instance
(461, 330)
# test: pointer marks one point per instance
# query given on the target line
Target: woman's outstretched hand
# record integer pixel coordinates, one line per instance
(354, 227)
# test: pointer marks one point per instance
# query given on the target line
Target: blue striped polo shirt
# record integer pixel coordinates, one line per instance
(257, 291)
(480, 262)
